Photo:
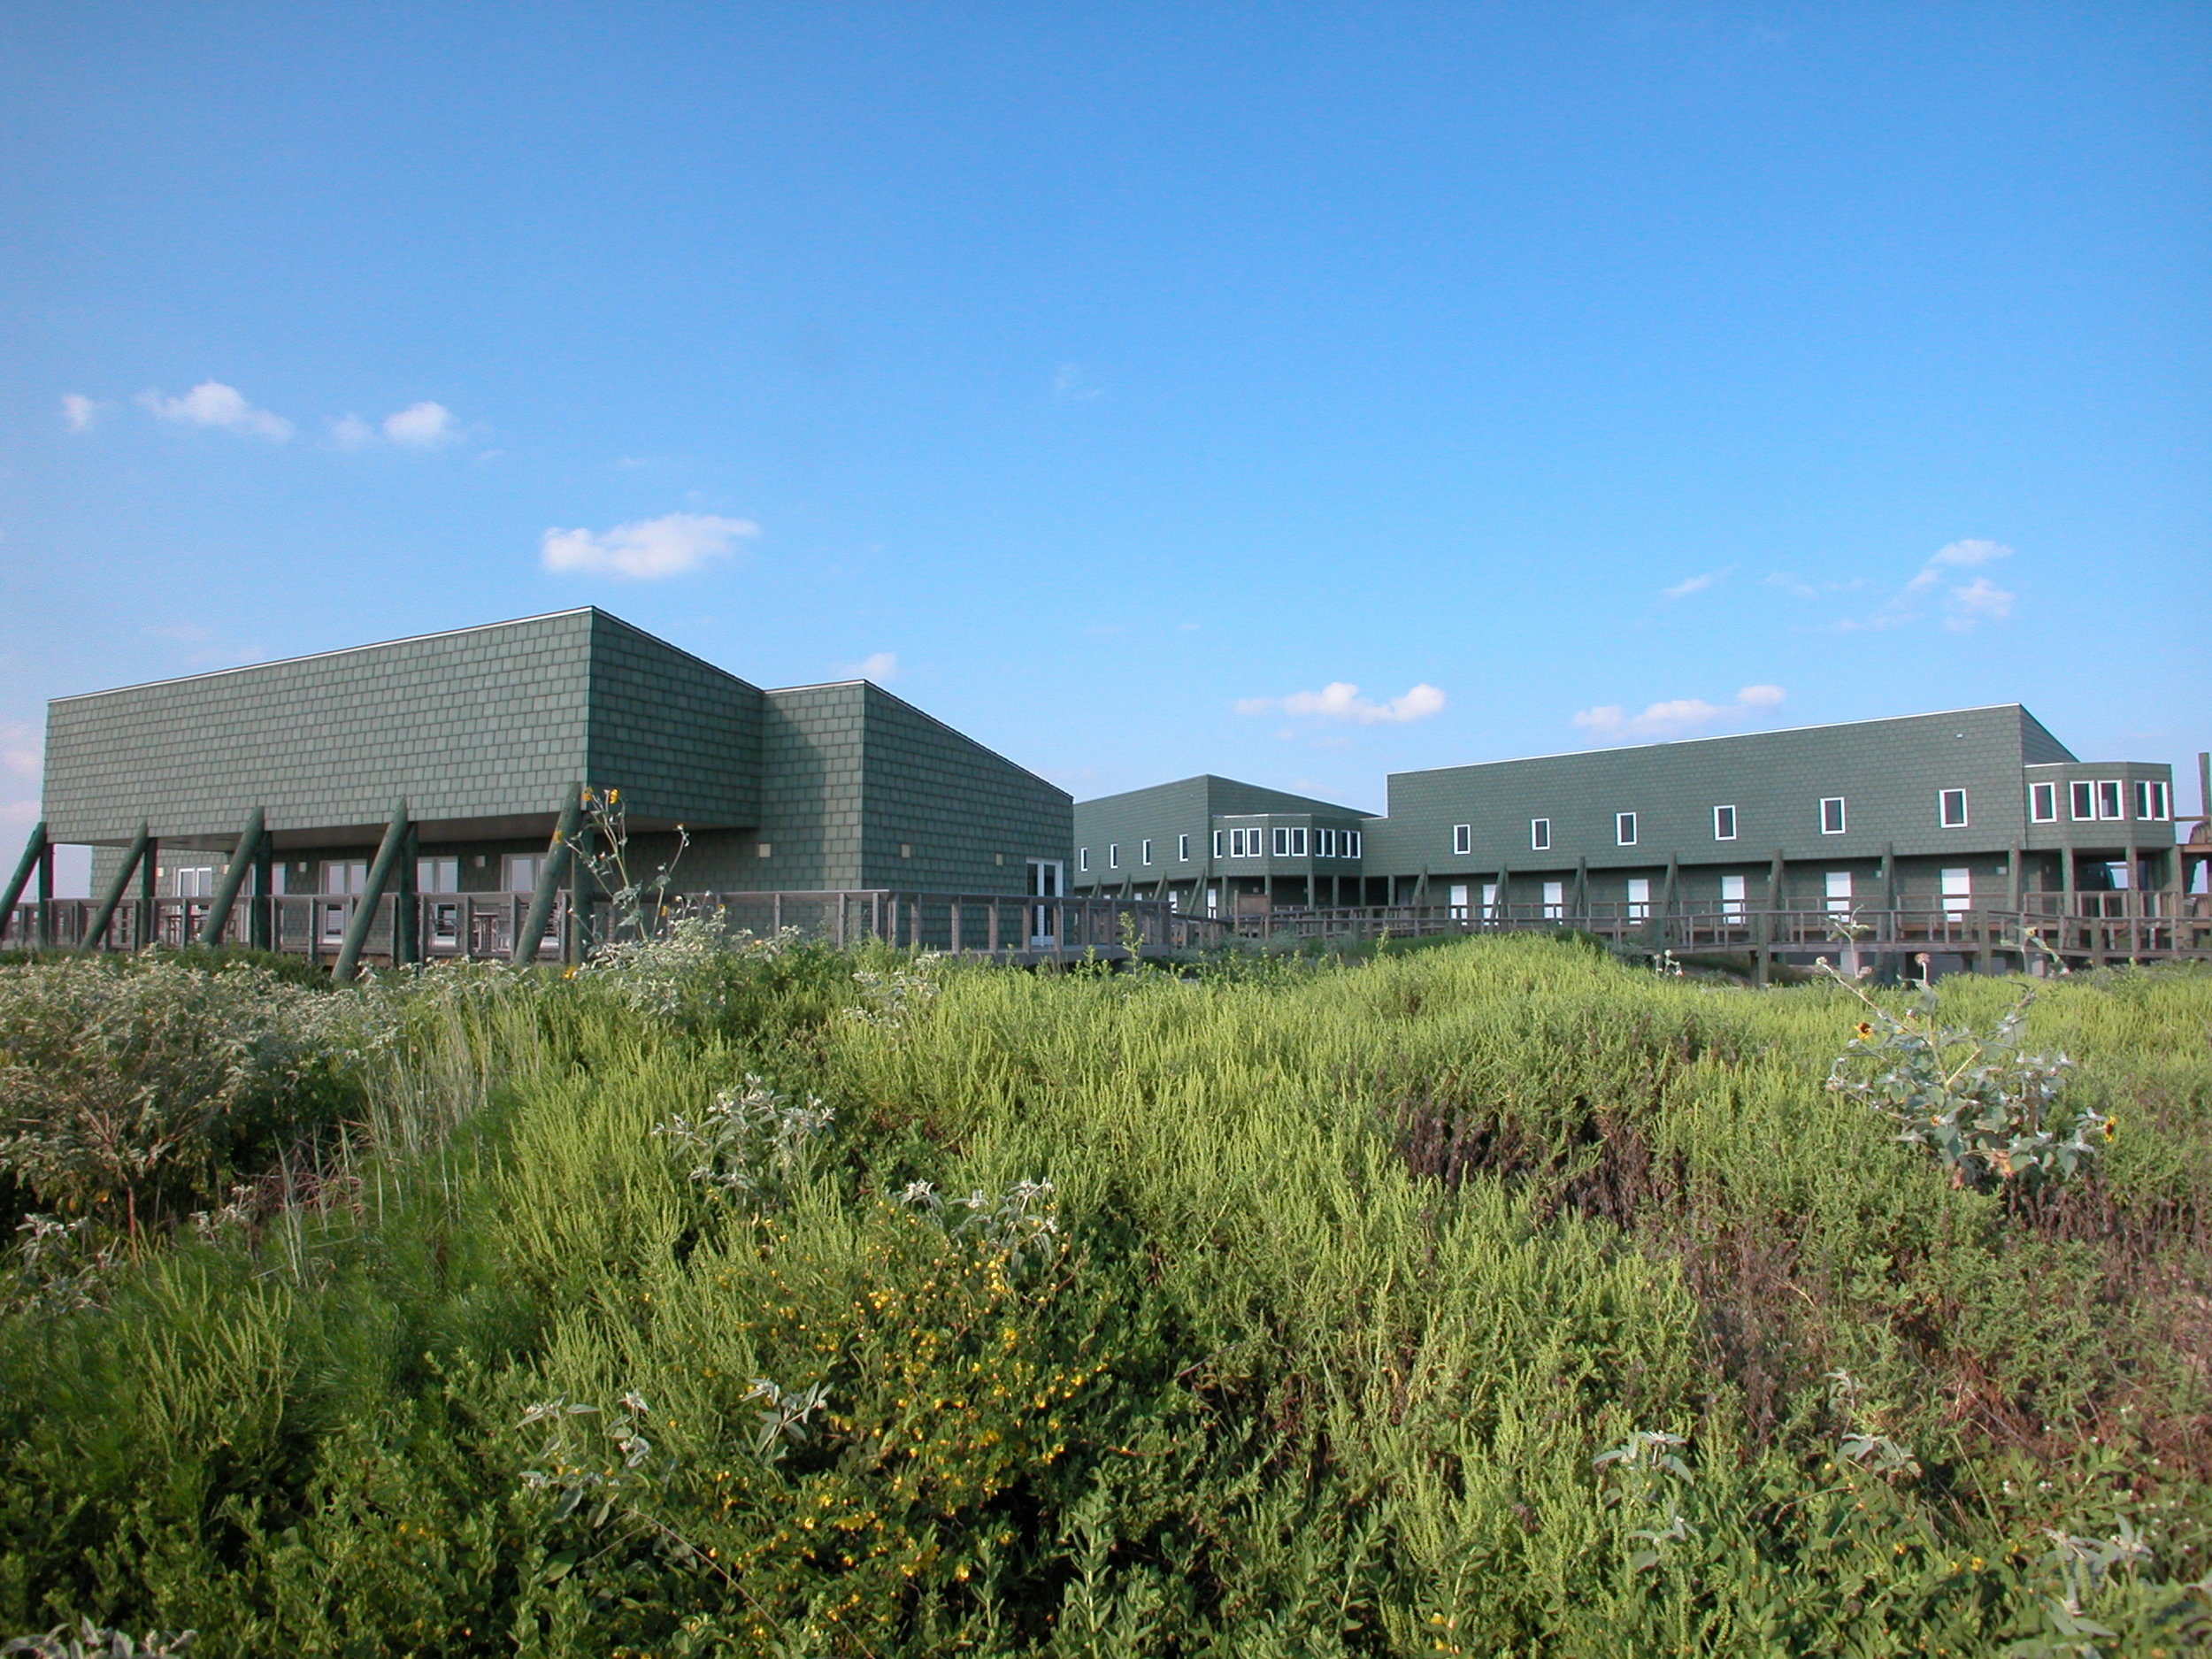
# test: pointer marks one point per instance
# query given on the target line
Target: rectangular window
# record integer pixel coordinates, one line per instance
(1324, 843)
(1951, 808)
(1462, 838)
(2108, 798)
(352, 875)
(1082, 858)
(1958, 890)
(1282, 842)
(1639, 898)
(1144, 849)
(1489, 899)
(1113, 854)
(2082, 800)
(1723, 823)
(193, 881)
(1838, 891)
(521, 872)
(1182, 849)
(1456, 898)
(1218, 841)
(1555, 900)
(2152, 801)
(1831, 819)
(2043, 802)
(1539, 833)
(1298, 843)
(1731, 897)
(437, 875)
(1352, 839)
(1625, 829)
(1236, 843)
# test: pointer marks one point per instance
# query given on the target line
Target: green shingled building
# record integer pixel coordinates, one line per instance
(1978, 808)
(485, 732)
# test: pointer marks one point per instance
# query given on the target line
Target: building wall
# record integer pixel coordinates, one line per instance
(680, 737)
(483, 723)
(1196, 807)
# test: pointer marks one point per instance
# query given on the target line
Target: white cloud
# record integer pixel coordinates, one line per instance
(1980, 601)
(1679, 717)
(80, 413)
(212, 403)
(647, 549)
(1696, 584)
(423, 426)
(1339, 700)
(1955, 555)
(880, 666)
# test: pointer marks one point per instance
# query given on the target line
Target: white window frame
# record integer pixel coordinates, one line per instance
(1639, 898)
(2042, 803)
(1455, 900)
(1555, 901)
(2152, 801)
(1623, 829)
(1728, 833)
(1144, 849)
(1957, 886)
(1113, 854)
(1842, 814)
(1281, 847)
(1944, 821)
(1324, 843)
(1182, 849)
(1838, 901)
(1221, 842)
(2111, 791)
(1462, 838)
(1352, 841)
(2081, 800)
(1539, 834)
(1733, 890)
(1082, 858)
(1298, 841)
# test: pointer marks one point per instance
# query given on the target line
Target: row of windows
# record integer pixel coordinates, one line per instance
(1836, 885)
(2090, 801)
(1834, 820)
(1244, 844)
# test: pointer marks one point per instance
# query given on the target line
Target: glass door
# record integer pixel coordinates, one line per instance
(1044, 883)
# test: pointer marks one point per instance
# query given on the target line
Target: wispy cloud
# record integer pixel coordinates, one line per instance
(80, 413)
(1071, 385)
(1938, 588)
(880, 666)
(1679, 717)
(1697, 584)
(212, 403)
(647, 549)
(21, 750)
(1339, 700)
(420, 425)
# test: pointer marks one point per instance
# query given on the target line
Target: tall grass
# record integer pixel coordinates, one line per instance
(1360, 1271)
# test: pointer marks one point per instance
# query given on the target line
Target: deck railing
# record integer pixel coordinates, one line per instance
(485, 925)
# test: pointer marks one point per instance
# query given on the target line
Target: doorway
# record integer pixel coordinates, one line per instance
(1045, 875)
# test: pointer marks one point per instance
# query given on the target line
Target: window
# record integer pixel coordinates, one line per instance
(1324, 843)
(1462, 838)
(352, 875)
(1731, 897)
(2082, 800)
(194, 881)
(1625, 829)
(1951, 808)
(2154, 802)
(1555, 900)
(1217, 842)
(1958, 891)
(1832, 818)
(1298, 843)
(1145, 850)
(1839, 887)
(1082, 858)
(1539, 833)
(521, 872)
(1639, 898)
(1182, 849)
(1236, 843)
(2108, 798)
(1351, 843)
(437, 875)
(2043, 802)
(1723, 823)
(1456, 901)
(1489, 899)
(1113, 854)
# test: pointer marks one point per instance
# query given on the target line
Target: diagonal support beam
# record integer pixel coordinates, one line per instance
(387, 854)
(241, 863)
(558, 854)
(35, 851)
(95, 934)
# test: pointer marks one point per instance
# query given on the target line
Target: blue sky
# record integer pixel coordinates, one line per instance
(1295, 392)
